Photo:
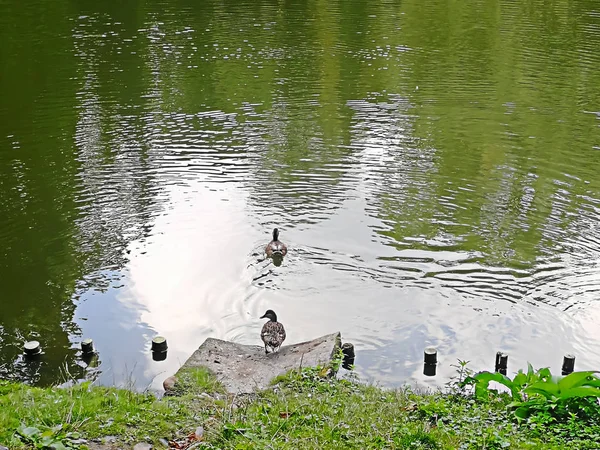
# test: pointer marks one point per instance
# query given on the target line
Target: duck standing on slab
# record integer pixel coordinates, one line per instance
(275, 247)
(272, 333)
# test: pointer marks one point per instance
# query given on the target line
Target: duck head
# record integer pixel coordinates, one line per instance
(270, 314)
(275, 234)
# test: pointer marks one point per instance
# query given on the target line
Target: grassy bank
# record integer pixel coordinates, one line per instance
(304, 411)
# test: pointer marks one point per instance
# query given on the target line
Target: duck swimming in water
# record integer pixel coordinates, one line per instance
(275, 247)
(272, 333)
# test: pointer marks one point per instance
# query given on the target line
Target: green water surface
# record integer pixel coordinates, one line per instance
(434, 167)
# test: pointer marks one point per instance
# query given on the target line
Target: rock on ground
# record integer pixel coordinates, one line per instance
(142, 446)
(244, 369)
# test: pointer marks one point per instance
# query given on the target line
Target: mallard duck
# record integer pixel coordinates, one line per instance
(275, 247)
(272, 333)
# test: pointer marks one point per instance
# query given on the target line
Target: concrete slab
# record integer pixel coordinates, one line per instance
(244, 369)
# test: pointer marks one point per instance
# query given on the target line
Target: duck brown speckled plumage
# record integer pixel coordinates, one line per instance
(272, 333)
(275, 247)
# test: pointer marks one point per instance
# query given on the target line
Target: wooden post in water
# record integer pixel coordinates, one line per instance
(568, 365)
(33, 350)
(501, 362)
(429, 362)
(159, 344)
(159, 348)
(87, 346)
(349, 355)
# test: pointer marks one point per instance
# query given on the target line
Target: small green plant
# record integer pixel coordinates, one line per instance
(54, 438)
(337, 360)
(539, 392)
(457, 384)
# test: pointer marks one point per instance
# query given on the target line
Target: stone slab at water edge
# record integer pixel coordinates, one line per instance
(244, 369)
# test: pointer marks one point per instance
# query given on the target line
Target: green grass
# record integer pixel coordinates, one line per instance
(304, 410)
(196, 381)
(310, 412)
(307, 411)
(95, 411)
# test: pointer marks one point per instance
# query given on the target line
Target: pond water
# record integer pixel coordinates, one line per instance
(433, 168)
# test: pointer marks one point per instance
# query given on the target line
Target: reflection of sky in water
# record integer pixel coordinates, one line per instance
(120, 337)
(179, 285)
(198, 275)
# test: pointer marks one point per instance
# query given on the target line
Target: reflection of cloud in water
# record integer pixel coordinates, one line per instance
(466, 332)
(184, 281)
(120, 337)
(198, 248)
(198, 276)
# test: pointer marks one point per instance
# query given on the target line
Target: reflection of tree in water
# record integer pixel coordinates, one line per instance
(299, 176)
(114, 138)
(240, 117)
(38, 261)
(505, 165)
(295, 121)
(74, 184)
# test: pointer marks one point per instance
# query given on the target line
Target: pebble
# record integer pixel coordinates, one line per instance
(142, 446)
(169, 383)
(2, 447)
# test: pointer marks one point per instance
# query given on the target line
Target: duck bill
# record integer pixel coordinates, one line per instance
(263, 316)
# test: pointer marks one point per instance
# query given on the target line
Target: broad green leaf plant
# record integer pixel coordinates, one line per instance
(539, 391)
